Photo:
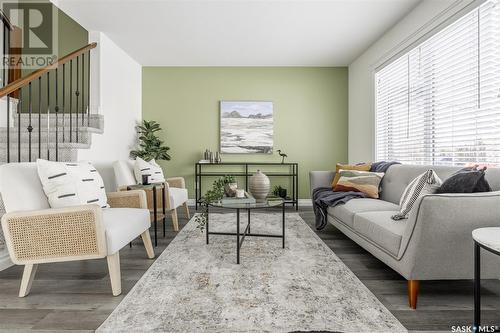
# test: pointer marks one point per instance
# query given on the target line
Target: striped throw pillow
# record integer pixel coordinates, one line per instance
(426, 183)
(150, 169)
(359, 181)
(71, 184)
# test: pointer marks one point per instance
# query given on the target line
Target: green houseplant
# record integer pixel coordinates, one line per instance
(214, 194)
(150, 145)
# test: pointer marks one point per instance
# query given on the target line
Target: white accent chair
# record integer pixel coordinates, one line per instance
(175, 190)
(37, 234)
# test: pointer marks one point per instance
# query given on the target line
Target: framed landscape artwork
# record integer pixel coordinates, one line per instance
(246, 127)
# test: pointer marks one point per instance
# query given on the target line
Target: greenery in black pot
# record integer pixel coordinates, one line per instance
(150, 145)
(279, 191)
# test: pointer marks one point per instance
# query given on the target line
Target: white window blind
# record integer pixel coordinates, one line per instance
(439, 103)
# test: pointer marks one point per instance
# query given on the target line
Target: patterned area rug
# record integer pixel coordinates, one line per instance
(194, 287)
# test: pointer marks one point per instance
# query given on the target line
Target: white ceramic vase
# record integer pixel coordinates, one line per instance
(259, 185)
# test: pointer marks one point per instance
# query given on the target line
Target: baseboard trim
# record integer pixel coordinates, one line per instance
(5, 260)
(302, 202)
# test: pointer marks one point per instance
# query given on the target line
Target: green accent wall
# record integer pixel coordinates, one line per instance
(310, 114)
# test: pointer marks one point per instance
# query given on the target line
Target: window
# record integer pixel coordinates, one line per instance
(439, 103)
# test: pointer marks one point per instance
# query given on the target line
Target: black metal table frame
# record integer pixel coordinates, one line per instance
(246, 231)
(477, 282)
(294, 174)
(155, 208)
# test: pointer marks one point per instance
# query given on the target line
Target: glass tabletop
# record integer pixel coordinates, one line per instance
(144, 187)
(266, 203)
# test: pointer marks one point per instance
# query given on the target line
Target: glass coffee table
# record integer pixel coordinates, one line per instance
(240, 236)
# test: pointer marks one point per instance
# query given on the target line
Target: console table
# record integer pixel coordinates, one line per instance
(245, 170)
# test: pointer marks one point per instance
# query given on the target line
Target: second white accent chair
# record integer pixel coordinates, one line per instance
(176, 193)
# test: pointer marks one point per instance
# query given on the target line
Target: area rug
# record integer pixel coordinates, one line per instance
(195, 287)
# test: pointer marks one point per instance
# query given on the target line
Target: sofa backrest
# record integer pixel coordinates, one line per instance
(399, 176)
(21, 188)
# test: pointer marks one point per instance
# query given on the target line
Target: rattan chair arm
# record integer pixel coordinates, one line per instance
(52, 235)
(178, 182)
(127, 199)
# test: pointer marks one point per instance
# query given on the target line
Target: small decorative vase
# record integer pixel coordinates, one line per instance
(230, 189)
(259, 185)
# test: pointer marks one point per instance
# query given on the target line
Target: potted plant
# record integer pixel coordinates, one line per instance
(230, 186)
(214, 194)
(279, 191)
(150, 145)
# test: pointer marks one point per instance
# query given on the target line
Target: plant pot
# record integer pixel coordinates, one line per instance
(259, 185)
(230, 189)
(282, 193)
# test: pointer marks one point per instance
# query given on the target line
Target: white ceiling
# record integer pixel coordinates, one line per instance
(240, 32)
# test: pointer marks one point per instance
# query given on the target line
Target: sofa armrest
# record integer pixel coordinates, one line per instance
(178, 182)
(52, 235)
(320, 179)
(438, 235)
(127, 199)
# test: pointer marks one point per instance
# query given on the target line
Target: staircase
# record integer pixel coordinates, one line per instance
(70, 136)
(47, 113)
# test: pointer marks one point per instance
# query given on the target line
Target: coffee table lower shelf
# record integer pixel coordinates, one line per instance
(240, 237)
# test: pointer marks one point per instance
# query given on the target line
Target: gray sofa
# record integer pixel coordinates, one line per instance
(435, 242)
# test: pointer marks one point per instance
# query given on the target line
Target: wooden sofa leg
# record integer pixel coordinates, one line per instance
(175, 220)
(187, 210)
(114, 273)
(146, 239)
(27, 280)
(413, 288)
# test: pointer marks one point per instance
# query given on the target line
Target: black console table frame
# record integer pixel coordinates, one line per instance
(293, 173)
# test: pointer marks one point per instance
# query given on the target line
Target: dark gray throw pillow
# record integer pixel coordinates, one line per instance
(466, 180)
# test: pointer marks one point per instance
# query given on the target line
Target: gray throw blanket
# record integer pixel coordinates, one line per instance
(324, 197)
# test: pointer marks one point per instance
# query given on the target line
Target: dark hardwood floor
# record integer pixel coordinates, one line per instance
(77, 297)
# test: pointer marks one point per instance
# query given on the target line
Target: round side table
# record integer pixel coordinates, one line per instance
(488, 239)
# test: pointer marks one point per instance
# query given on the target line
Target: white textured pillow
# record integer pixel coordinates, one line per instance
(71, 184)
(151, 169)
(426, 183)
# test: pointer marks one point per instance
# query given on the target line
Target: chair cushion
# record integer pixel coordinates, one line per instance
(381, 229)
(345, 212)
(123, 225)
(21, 188)
(178, 196)
(124, 173)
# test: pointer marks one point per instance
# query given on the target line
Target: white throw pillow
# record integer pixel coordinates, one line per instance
(71, 184)
(150, 169)
(426, 183)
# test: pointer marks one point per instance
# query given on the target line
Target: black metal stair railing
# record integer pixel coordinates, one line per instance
(61, 96)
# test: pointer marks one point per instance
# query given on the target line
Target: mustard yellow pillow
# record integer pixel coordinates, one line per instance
(357, 167)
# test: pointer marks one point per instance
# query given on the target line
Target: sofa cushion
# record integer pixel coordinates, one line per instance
(345, 213)
(123, 225)
(381, 229)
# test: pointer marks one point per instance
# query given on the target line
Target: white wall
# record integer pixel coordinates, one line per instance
(426, 17)
(118, 96)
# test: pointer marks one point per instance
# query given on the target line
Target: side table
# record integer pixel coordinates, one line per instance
(153, 188)
(488, 239)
